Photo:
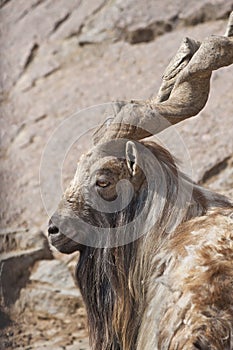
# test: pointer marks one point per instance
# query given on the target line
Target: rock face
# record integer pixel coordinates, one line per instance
(19, 251)
(52, 296)
(137, 22)
(56, 59)
(51, 291)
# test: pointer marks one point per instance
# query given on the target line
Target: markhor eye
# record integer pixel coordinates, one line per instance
(102, 183)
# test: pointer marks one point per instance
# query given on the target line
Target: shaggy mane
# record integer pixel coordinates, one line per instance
(114, 281)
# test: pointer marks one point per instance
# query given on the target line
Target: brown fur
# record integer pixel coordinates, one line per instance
(170, 288)
(191, 301)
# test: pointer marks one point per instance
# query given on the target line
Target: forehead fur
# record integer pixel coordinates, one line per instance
(109, 155)
(114, 148)
(100, 154)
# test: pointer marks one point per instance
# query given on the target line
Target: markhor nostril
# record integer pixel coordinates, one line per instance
(53, 229)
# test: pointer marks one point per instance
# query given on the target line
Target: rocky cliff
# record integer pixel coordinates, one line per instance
(57, 58)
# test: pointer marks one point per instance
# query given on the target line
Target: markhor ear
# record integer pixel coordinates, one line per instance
(131, 155)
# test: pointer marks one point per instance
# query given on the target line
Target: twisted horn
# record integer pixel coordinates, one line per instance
(183, 93)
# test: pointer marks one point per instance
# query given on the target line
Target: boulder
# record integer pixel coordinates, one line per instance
(20, 249)
(51, 292)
